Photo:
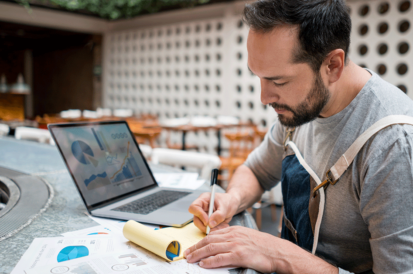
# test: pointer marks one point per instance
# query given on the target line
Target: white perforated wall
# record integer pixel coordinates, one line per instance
(381, 39)
(191, 68)
(200, 67)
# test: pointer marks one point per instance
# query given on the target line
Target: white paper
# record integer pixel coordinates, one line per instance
(131, 259)
(125, 262)
(186, 267)
(116, 226)
(45, 251)
(179, 180)
(132, 262)
(95, 231)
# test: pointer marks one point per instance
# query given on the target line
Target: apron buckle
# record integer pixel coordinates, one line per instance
(328, 181)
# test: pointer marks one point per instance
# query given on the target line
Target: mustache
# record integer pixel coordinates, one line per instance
(281, 106)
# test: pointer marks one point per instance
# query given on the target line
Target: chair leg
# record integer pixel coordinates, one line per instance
(273, 212)
(281, 221)
(258, 217)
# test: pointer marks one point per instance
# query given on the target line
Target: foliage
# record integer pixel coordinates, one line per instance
(116, 9)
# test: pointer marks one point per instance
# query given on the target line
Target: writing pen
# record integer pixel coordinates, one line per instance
(214, 178)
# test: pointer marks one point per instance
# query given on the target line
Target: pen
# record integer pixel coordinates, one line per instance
(214, 177)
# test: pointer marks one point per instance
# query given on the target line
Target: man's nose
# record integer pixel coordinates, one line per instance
(268, 93)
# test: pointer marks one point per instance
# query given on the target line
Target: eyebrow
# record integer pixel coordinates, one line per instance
(272, 78)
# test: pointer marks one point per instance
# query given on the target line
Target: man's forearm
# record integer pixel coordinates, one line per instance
(245, 188)
(293, 259)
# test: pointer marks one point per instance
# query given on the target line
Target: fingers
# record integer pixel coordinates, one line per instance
(219, 227)
(224, 229)
(211, 249)
(199, 208)
(199, 224)
(205, 241)
(216, 218)
(219, 260)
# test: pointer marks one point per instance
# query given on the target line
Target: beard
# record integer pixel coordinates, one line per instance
(307, 110)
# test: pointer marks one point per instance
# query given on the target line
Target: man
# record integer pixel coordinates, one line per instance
(298, 49)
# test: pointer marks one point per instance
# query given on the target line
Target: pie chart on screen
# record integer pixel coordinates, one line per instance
(82, 152)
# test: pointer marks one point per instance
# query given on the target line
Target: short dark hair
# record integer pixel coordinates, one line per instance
(324, 25)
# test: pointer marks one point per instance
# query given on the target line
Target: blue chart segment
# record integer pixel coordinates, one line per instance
(72, 252)
(97, 139)
(97, 180)
(80, 149)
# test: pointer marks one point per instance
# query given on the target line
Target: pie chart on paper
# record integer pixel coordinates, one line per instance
(72, 252)
(83, 153)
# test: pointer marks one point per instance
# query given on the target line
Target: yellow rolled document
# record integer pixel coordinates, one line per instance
(168, 243)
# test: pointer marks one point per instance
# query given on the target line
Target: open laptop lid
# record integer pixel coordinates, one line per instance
(104, 160)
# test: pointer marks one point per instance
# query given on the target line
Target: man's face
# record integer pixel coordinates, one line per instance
(296, 93)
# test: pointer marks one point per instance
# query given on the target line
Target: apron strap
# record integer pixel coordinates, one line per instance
(322, 196)
(334, 174)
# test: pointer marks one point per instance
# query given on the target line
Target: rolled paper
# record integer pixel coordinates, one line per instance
(162, 245)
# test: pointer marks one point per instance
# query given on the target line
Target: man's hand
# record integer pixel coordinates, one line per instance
(235, 246)
(245, 247)
(225, 207)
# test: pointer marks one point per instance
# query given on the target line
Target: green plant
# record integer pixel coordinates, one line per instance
(115, 9)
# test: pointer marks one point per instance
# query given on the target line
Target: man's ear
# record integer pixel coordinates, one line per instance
(333, 65)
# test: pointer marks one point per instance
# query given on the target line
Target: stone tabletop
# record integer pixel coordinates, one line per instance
(67, 211)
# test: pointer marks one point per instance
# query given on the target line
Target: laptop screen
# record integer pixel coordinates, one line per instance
(103, 159)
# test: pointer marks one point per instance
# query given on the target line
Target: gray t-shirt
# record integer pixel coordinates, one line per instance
(368, 217)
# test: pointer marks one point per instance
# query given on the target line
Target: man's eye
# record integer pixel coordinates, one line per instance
(279, 84)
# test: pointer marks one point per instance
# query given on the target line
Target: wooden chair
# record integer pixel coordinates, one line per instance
(173, 145)
(259, 135)
(48, 119)
(270, 198)
(241, 144)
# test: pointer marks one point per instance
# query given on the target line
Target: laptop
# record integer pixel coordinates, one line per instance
(114, 179)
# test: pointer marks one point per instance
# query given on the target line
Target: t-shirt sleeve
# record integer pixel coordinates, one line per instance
(386, 205)
(265, 161)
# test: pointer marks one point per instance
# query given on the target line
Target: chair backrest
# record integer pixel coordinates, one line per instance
(241, 144)
(34, 134)
(4, 129)
(146, 151)
(174, 157)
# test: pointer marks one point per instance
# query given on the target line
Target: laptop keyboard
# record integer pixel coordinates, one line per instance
(152, 202)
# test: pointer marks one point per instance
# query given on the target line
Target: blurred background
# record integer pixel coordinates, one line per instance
(176, 70)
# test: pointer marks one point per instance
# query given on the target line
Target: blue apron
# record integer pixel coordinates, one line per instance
(302, 207)
(304, 193)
